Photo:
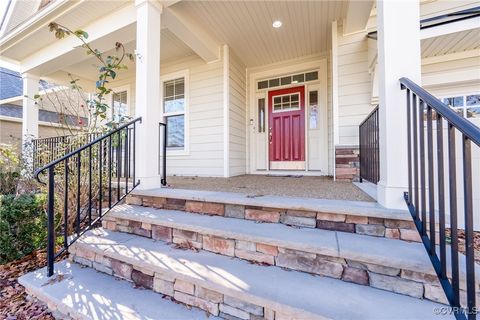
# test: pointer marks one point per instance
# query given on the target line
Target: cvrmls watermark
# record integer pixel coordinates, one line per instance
(452, 310)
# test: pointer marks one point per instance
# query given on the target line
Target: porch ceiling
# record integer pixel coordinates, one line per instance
(246, 26)
(171, 48)
(451, 43)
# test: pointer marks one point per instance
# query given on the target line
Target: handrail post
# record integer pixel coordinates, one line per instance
(50, 221)
(164, 160)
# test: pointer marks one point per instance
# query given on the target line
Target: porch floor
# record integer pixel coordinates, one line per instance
(293, 186)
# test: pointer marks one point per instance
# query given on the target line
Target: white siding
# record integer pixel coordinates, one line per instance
(354, 87)
(237, 116)
(454, 73)
(205, 118)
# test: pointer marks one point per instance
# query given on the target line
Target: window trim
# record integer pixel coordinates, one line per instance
(168, 77)
(119, 89)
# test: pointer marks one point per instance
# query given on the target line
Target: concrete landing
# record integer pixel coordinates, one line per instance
(289, 292)
(83, 293)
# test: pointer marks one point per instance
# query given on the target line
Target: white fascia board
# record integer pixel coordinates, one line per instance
(192, 35)
(36, 22)
(452, 27)
(98, 37)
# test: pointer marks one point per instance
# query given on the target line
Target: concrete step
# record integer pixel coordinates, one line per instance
(367, 218)
(83, 293)
(227, 286)
(397, 266)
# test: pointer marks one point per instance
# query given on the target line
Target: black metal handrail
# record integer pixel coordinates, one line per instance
(369, 148)
(87, 183)
(429, 185)
(46, 150)
(162, 147)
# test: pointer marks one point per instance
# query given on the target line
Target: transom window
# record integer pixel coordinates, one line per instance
(286, 102)
(174, 112)
(287, 80)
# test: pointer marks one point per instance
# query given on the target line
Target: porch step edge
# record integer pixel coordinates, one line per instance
(59, 293)
(291, 293)
(357, 208)
(406, 262)
(375, 250)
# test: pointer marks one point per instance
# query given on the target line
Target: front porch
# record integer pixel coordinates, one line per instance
(277, 185)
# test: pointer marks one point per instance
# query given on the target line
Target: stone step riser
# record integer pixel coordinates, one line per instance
(184, 291)
(371, 226)
(407, 282)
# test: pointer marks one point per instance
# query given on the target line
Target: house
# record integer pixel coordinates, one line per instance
(277, 88)
(54, 119)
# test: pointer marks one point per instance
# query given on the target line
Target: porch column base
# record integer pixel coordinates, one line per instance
(389, 196)
(148, 183)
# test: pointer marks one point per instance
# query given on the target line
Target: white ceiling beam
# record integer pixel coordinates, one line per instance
(358, 13)
(192, 35)
(452, 27)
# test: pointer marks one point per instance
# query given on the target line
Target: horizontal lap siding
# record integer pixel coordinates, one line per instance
(354, 86)
(453, 73)
(237, 116)
(205, 156)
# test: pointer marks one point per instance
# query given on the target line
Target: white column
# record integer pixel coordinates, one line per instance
(29, 118)
(226, 111)
(398, 56)
(148, 104)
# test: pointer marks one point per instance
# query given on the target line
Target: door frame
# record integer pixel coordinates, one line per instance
(299, 165)
(319, 63)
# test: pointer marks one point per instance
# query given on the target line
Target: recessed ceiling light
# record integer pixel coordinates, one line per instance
(277, 24)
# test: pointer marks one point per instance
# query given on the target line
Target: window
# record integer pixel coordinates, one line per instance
(286, 102)
(467, 106)
(174, 106)
(473, 106)
(119, 105)
(261, 115)
(313, 109)
(287, 80)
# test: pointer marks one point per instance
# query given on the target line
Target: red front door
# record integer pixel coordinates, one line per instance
(286, 109)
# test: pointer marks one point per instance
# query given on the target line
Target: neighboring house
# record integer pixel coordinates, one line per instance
(52, 121)
(279, 88)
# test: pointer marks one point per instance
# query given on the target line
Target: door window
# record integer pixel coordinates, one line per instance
(286, 102)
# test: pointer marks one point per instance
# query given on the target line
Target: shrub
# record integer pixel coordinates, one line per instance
(23, 225)
(9, 169)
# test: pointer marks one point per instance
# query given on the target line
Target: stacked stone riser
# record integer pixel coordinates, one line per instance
(403, 281)
(181, 290)
(371, 226)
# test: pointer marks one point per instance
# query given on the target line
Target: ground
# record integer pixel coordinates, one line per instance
(14, 302)
(294, 186)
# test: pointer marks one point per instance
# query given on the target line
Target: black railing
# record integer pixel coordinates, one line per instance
(433, 192)
(46, 150)
(85, 184)
(162, 148)
(369, 149)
